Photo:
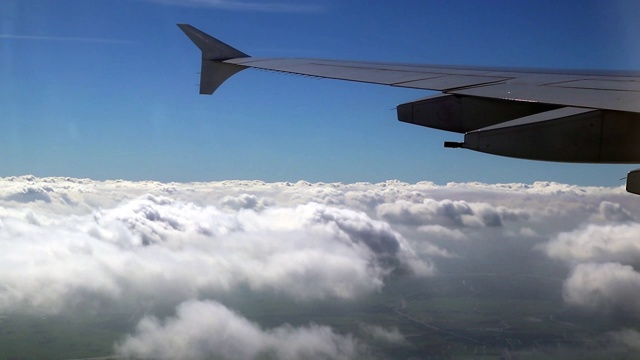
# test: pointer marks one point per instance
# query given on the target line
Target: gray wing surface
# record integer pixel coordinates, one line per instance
(550, 115)
(619, 91)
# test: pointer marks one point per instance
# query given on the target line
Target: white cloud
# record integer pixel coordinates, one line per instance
(610, 288)
(597, 243)
(442, 232)
(75, 244)
(448, 213)
(244, 201)
(29, 193)
(388, 335)
(614, 212)
(152, 243)
(603, 252)
(206, 329)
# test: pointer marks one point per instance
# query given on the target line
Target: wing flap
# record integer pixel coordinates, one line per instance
(601, 84)
(579, 97)
(449, 82)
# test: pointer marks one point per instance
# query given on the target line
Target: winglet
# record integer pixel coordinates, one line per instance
(212, 48)
(214, 71)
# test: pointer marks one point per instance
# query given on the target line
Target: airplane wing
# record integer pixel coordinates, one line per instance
(567, 116)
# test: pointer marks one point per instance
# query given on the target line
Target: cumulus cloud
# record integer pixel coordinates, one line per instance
(610, 288)
(447, 213)
(152, 243)
(207, 329)
(603, 254)
(614, 212)
(388, 335)
(243, 201)
(597, 243)
(308, 241)
(76, 244)
(442, 232)
(29, 193)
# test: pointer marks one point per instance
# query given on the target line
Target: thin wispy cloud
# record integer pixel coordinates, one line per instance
(63, 38)
(274, 7)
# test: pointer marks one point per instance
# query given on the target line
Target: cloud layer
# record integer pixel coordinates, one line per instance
(152, 243)
(75, 245)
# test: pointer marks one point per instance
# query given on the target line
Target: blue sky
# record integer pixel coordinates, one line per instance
(108, 89)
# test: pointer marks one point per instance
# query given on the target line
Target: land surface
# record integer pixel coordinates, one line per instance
(454, 316)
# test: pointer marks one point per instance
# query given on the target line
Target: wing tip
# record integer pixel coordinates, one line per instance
(212, 48)
(213, 71)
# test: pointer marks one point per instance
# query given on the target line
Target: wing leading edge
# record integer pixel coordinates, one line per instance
(566, 116)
